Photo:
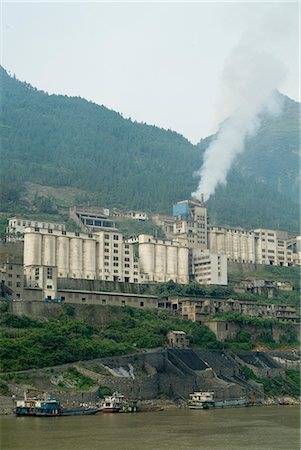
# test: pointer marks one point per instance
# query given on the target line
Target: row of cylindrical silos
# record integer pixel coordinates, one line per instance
(160, 260)
(237, 246)
(73, 256)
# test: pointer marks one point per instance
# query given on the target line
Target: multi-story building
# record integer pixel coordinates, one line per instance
(134, 215)
(199, 309)
(209, 268)
(166, 223)
(191, 223)
(16, 227)
(271, 247)
(162, 260)
(294, 245)
(13, 277)
(91, 219)
(237, 244)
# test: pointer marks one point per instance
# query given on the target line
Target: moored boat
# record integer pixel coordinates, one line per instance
(48, 407)
(116, 403)
(112, 403)
(205, 400)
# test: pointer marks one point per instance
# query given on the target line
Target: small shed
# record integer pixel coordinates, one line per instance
(177, 339)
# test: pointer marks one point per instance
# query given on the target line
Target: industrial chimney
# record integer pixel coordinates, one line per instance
(202, 200)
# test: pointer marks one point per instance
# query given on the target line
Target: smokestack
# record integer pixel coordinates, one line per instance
(202, 199)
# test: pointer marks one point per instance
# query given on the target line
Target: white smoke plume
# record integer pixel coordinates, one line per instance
(249, 79)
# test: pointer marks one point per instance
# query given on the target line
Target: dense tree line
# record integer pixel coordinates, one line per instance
(54, 140)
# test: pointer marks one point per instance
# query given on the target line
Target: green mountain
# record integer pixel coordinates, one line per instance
(58, 142)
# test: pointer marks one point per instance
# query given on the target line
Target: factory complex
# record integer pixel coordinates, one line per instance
(192, 251)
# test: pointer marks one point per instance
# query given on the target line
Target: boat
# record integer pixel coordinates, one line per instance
(205, 400)
(112, 403)
(48, 407)
(116, 403)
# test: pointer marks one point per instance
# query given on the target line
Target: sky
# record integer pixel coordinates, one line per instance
(160, 63)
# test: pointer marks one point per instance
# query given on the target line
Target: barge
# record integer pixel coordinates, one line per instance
(49, 407)
(205, 400)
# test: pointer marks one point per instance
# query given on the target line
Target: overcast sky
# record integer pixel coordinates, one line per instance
(159, 63)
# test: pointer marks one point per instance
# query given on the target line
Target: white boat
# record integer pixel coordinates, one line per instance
(112, 403)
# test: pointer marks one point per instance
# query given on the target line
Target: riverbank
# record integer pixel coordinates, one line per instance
(163, 378)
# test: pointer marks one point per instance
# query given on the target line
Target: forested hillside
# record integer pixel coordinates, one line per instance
(69, 143)
(60, 141)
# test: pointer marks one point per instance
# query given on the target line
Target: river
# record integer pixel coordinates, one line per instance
(256, 428)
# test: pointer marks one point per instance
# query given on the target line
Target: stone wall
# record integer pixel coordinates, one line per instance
(226, 330)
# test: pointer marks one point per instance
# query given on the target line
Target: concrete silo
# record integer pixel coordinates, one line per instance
(147, 257)
(183, 275)
(62, 256)
(89, 258)
(48, 250)
(171, 262)
(160, 262)
(76, 257)
(32, 248)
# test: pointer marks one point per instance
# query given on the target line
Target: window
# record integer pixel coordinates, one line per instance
(107, 244)
(115, 258)
(126, 252)
(107, 250)
(9, 283)
(115, 251)
(116, 245)
(126, 246)
(103, 301)
(64, 233)
(107, 236)
(141, 303)
(127, 279)
(18, 284)
(115, 237)
(126, 265)
(49, 230)
(10, 275)
(49, 286)
(107, 257)
(37, 229)
(115, 264)
(127, 259)
(106, 263)
(49, 273)
(76, 233)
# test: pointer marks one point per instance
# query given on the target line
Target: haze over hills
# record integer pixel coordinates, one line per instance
(59, 141)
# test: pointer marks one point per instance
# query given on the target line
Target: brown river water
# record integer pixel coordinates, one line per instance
(256, 428)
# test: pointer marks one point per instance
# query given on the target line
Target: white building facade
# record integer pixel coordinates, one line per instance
(16, 227)
(271, 248)
(237, 244)
(209, 268)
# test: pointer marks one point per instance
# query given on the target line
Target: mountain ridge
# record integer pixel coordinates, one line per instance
(69, 141)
